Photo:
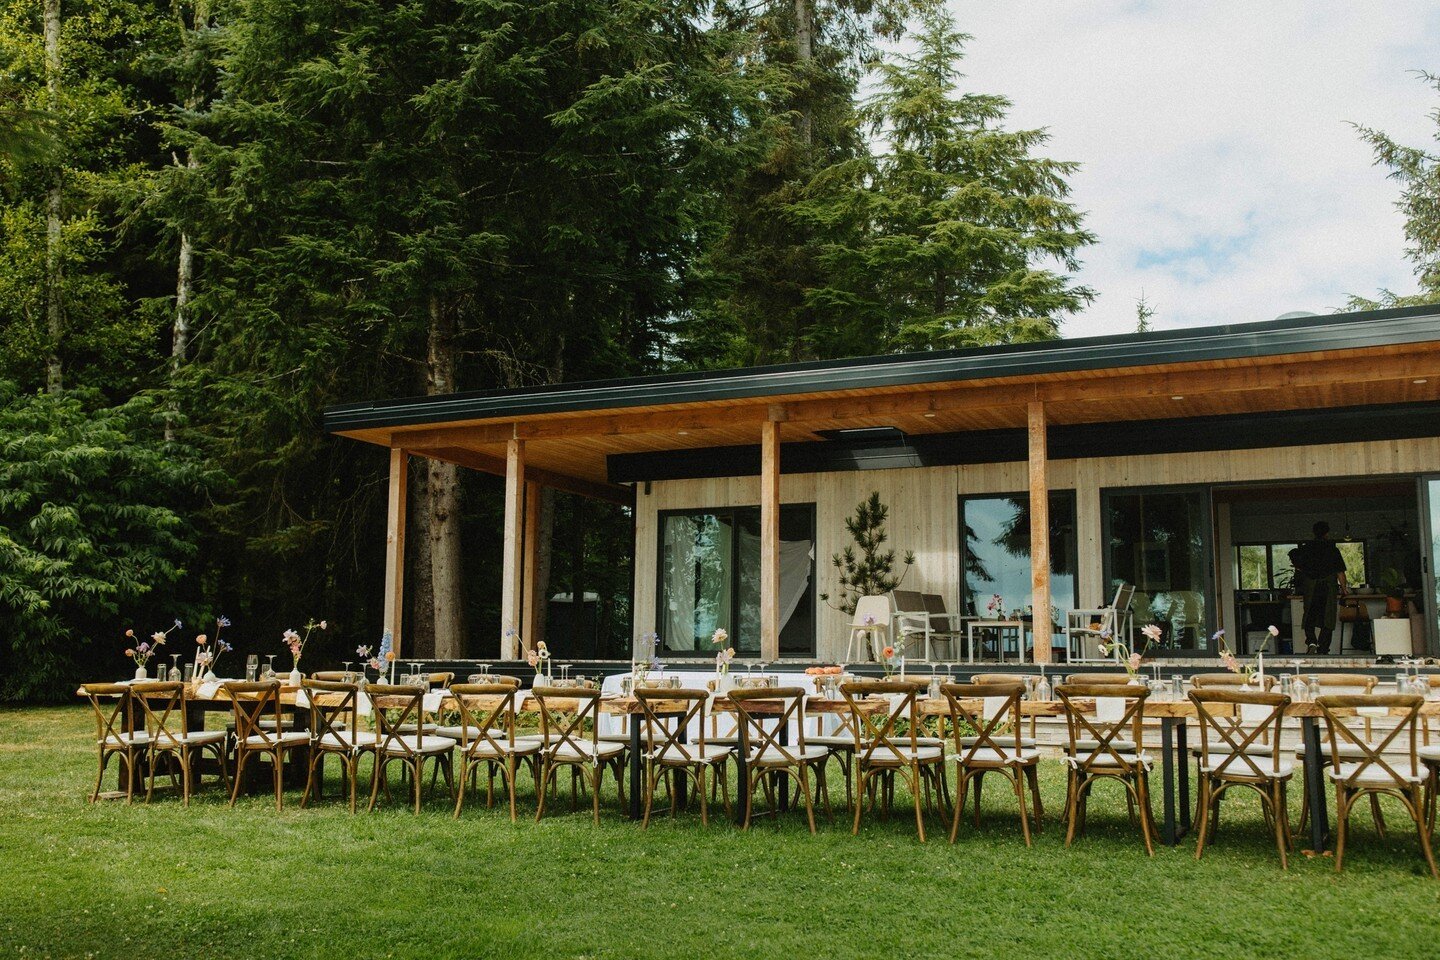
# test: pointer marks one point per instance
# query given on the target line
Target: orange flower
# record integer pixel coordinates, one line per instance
(888, 652)
(390, 656)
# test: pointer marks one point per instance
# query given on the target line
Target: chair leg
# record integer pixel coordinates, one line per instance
(915, 795)
(1277, 803)
(978, 777)
(375, 777)
(1202, 827)
(809, 804)
(1024, 814)
(1377, 816)
(1425, 843)
(650, 775)
(1342, 823)
(1147, 825)
(957, 809)
(241, 755)
(1032, 773)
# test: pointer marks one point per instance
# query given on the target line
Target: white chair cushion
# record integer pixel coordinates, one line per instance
(921, 752)
(1256, 749)
(989, 755)
(1107, 761)
(292, 738)
(833, 741)
(414, 744)
(1120, 745)
(125, 740)
(498, 749)
(1348, 750)
(456, 733)
(585, 750)
(773, 755)
(1428, 754)
(714, 753)
(194, 738)
(1026, 743)
(1239, 768)
(348, 740)
(1376, 775)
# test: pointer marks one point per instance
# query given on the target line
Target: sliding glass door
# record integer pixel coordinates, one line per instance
(1159, 539)
(995, 552)
(709, 578)
(1430, 525)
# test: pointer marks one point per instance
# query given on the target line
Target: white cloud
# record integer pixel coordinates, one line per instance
(1220, 170)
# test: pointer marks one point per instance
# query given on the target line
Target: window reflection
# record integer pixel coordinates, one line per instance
(995, 553)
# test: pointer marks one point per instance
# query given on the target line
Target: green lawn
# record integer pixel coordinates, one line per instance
(161, 881)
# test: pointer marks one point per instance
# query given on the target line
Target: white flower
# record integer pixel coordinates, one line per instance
(1273, 630)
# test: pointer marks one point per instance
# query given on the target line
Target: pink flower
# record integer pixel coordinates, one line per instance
(1231, 664)
(1152, 631)
(1134, 662)
(130, 652)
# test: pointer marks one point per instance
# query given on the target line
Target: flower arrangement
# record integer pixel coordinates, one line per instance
(995, 606)
(892, 659)
(206, 656)
(1233, 663)
(296, 642)
(1129, 659)
(383, 659)
(723, 657)
(539, 658)
(145, 649)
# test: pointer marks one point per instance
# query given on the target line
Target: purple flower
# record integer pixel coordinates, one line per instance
(223, 646)
(222, 621)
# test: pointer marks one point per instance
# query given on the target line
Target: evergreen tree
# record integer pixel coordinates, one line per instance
(953, 232)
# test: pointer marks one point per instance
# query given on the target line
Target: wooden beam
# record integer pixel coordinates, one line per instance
(1289, 373)
(485, 463)
(530, 618)
(510, 566)
(1039, 533)
(770, 540)
(395, 548)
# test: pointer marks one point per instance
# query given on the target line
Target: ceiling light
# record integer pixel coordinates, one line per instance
(684, 433)
(1178, 396)
(931, 416)
(1421, 380)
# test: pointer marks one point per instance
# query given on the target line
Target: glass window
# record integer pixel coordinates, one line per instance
(1253, 564)
(1354, 553)
(995, 552)
(1160, 541)
(710, 577)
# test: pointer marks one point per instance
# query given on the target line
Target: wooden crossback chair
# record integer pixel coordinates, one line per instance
(841, 743)
(1373, 774)
(767, 757)
(1236, 750)
(113, 706)
(1029, 741)
(410, 749)
(881, 752)
(669, 754)
(1101, 750)
(992, 711)
(486, 734)
(255, 737)
(335, 731)
(570, 737)
(164, 708)
(1340, 684)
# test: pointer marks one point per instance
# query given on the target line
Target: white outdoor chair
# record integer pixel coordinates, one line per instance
(876, 610)
(911, 620)
(1084, 628)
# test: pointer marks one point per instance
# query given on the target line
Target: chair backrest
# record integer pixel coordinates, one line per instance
(1202, 680)
(1226, 729)
(333, 676)
(1124, 596)
(442, 679)
(1342, 684)
(563, 713)
(908, 601)
(163, 706)
(1367, 757)
(877, 608)
(250, 702)
(992, 678)
(334, 707)
(934, 604)
(112, 704)
(776, 705)
(668, 713)
(1104, 732)
(1094, 679)
(484, 707)
(402, 711)
(875, 729)
(989, 709)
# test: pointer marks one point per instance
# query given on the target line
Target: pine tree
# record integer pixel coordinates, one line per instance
(953, 232)
(866, 569)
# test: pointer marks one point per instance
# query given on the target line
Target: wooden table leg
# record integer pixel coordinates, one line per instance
(1182, 754)
(1314, 769)
(636, 762)
(1168, 831)
(784, 781)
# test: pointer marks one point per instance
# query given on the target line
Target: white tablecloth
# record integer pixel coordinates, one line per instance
(696, 680)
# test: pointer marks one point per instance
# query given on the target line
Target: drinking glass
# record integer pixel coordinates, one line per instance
(189, 673)
(252, 668)
(1313, 683)
(174, 667)
(269, 666)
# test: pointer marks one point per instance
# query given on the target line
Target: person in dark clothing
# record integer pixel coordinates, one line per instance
(1320, 580)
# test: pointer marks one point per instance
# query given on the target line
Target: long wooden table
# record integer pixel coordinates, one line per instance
(1174, 717)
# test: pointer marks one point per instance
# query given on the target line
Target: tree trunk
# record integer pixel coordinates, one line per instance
(54, 312)
(420, 584)
(444, 483)
(545, 552)
(804, 54)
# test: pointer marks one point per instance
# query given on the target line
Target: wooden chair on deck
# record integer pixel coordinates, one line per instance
(668, 752)
(1232, 754)
(335, 731)
(255, 737)
(1339, 684)
(766, 758)
(1109, 747)
(881, 753)
(565, 713)
(1372, 774)
(169, 735)
(486, 733)
(992, 710)
(113, 706)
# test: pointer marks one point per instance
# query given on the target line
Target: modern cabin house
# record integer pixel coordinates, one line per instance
(1186, 463)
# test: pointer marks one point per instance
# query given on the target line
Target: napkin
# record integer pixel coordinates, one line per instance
(208, 689)
(432, 700)
(992, 706)
(1372, 711)
(1109, 709)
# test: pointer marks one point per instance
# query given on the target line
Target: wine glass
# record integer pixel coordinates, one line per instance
(174, 667)
(269, 666)
(252, 667)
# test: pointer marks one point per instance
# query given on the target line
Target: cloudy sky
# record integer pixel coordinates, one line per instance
(1221, 173)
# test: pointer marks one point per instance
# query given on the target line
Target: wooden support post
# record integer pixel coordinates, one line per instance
(770, 540)
(395, 548)
(512, 568)
(1039, 533)
(530, 617)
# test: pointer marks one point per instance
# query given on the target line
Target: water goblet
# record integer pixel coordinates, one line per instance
(174, 667)
(269, 666)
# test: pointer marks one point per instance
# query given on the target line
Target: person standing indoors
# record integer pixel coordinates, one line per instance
(1320, 580)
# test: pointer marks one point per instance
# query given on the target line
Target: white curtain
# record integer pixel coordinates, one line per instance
(679, 583)
(795, 558)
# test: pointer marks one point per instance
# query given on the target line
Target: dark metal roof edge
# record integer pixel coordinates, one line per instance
(1233, 341)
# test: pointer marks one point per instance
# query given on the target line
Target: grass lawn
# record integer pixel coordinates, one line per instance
(161, 881)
